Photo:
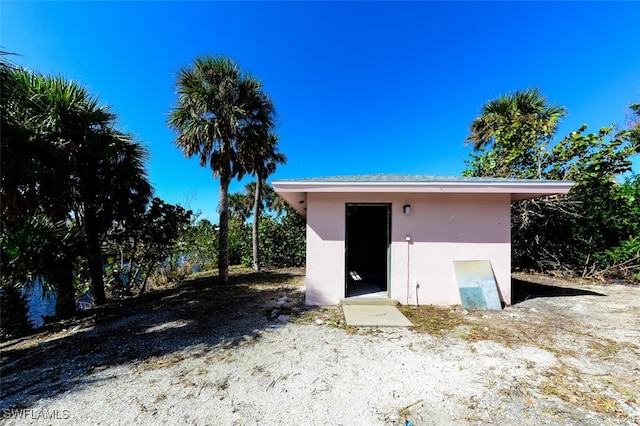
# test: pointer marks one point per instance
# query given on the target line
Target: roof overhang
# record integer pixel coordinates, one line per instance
(294, 192)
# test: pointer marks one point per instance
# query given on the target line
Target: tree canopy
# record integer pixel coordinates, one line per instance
(595, 229)
(67, 174)
(511, 135)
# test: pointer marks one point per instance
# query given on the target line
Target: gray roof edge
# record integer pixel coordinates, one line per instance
(416, 180)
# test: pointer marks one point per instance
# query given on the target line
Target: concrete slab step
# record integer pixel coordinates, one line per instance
(374, 316)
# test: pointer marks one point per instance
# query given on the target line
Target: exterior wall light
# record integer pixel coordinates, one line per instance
(406, 209)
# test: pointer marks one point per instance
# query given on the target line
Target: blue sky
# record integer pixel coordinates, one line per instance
(359, 87)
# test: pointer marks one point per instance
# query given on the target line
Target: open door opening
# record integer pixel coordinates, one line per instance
(367, 249)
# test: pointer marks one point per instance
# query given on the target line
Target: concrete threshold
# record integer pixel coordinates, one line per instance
(359, 300)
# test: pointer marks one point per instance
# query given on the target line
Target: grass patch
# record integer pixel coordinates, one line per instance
(434, 320)
(571, 386)
(608, 349)
(154, 362)
(242, 276)
(331, 316)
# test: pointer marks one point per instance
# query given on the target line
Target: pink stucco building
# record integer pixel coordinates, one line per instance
(397, 236)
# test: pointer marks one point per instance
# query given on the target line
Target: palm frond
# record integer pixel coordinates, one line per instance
(528, 106)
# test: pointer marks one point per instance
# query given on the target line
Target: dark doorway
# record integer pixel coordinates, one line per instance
(367, 246)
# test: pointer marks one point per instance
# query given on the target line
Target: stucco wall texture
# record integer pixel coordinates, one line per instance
(441, 228)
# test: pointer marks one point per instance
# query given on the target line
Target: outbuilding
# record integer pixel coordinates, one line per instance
(398, 236)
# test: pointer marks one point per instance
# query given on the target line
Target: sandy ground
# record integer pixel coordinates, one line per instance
(251, 354)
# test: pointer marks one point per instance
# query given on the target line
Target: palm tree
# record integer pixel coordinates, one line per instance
(268, 197)
(80, 166)
(32, 168)
(105, 167)
(110, 184)
(36, 247)
(523, 123)
(262, 158)
(252, 202)
(278, 205)
(217, 104)
(35, 180)
(240, 206)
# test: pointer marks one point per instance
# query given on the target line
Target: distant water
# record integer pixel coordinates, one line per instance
(44, 305)
(39, 305)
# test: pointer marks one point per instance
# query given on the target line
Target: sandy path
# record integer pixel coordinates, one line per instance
(577, 350)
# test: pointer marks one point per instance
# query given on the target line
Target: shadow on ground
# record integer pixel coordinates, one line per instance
(198, 312)
(522, 290)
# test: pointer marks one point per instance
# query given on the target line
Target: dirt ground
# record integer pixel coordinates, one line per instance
(566, 352)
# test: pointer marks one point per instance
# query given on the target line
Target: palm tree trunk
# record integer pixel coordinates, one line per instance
(66, 297)
(223, 210)
(256, 220)
(94, 257)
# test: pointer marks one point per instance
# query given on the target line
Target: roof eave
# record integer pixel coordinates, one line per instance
(295, 192)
